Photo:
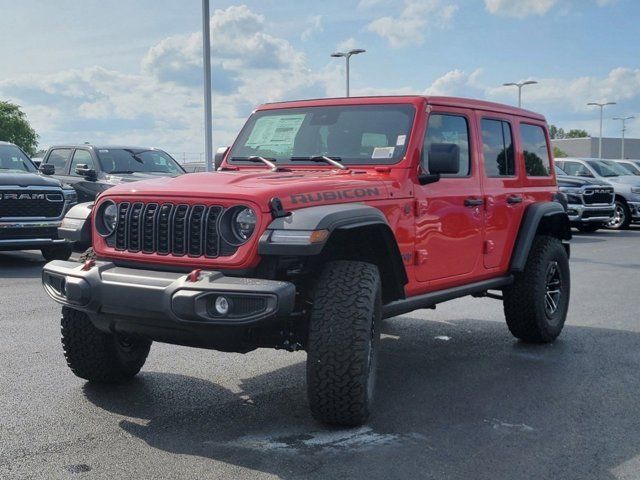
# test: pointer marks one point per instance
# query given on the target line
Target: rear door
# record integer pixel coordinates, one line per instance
(449, 213)
(502, 184)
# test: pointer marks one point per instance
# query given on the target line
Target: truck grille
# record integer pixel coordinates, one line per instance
(169, 229)
(31, 203)
(598, 195)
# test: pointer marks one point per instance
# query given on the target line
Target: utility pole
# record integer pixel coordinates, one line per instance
(206, 62)
(624, 129)
(601, 105)
(347, 56)
(520, 85)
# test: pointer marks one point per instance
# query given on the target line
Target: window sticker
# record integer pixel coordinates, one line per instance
(401, 140)
(383, 152)
(275, 131)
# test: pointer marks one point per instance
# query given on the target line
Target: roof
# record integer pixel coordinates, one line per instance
(414, 99)
(99, 147)
(7, 143)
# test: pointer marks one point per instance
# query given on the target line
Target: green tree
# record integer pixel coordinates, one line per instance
(557, 153)
(576, 133)
(15, 128)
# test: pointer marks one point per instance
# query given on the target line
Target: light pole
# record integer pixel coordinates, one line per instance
(624, 129)
(347, 56)
(519, 85)
(601, 105)
(206, 62)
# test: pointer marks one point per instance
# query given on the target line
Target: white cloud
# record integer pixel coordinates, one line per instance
(348, 44)
(161, 105)
(314, 25)
(415, 19)
(525, 8)
(457, 83)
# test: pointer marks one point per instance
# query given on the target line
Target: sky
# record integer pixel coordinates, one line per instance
(131, 71)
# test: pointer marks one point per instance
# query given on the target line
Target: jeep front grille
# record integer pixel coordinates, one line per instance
(31, 203)
(169, 229)
(598, 195)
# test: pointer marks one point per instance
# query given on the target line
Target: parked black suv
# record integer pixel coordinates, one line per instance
(591, 203)
(31, 206)
(92, 169)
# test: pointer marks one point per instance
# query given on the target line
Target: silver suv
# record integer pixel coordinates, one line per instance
(625, 185)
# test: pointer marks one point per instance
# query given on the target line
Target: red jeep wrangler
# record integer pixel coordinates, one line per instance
(324, 218)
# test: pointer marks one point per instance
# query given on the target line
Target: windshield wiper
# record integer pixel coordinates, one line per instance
(135, 154)
(335, 161)
(122, 171)
(257, 159)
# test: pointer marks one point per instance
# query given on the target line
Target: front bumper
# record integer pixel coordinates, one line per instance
(25, 235)
(166, 306)
(635, 211)
(580, 214)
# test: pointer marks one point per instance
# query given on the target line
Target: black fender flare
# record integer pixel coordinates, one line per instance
(76, 225)
(338, 219)
(548, 218)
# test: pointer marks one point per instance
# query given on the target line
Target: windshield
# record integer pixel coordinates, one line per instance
(13, 159)
(352, 134)
(128, 160)
(559, 171)
(607, 169)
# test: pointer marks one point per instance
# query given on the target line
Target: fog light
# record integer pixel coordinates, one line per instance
(222, 305)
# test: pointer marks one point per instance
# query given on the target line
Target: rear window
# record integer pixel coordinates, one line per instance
(536, 150)
(497, 147)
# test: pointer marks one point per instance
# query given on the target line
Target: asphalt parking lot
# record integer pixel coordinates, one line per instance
(458, 397)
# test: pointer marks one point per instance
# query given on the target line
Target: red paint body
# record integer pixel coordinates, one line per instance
(443, 242)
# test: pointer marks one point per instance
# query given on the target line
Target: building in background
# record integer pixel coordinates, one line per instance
(588, 147)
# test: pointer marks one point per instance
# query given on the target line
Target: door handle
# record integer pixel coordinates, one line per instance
(473, 202)
(513, 199)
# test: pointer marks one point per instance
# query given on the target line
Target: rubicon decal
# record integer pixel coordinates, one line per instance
(348, 194)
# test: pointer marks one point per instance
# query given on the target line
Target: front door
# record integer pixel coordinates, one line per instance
(449, 213)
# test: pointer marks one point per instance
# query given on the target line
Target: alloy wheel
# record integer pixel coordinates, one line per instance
(553, 289)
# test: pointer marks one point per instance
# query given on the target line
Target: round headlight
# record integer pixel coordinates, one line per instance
(107, 218)
(243, 223)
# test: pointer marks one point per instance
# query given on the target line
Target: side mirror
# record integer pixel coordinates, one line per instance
(84, 171)
(47, 169)
(444, 158)
(220, 154)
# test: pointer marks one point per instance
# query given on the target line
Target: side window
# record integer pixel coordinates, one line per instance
(576, 169)
(81, 157)
(497, 147)
(443, 128)
(536, 150)
(58, 158)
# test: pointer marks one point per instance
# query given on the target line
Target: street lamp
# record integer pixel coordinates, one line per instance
(519, 85)
(347, 56)
(206, 63)
(624, 129)
(601, 105)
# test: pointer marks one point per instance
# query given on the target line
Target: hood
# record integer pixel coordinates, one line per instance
(296, 188)
(633, 180)
(27, 180)
(571, 181)
(118, 178)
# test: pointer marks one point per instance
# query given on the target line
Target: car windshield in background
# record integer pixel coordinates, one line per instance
(604, 169)
(128, 160)
(12, 159)
(352, 134)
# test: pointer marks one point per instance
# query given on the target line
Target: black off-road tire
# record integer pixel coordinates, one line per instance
(57, 252)
(343, 343)
(525, 307)
(88, 254)
(589, 227)
(98, 356)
